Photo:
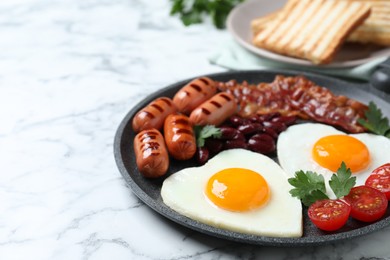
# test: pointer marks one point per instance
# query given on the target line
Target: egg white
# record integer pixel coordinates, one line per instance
(294, 149)
(183, 191)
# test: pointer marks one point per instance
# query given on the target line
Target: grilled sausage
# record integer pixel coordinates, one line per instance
(179, 137)
(215, 110)
(153, 115)
(151, 153)
(193, 94)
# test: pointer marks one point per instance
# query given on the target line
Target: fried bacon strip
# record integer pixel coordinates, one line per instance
(297, 96)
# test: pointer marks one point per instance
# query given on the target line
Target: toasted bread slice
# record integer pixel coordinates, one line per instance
(376, 29)
(312, 29)
(261, 23)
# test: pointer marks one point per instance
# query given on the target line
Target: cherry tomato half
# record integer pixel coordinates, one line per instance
(329, 214)
(367, 204)
(380, 179)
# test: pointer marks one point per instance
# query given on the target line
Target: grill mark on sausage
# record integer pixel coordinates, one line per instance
(147, 136)
(226, 97)
(144, 138)
(184, 131)
(150, 145)
(196, 87)
(167, 101)
(205, 111)
(157, 107)
(216, 104)
(148, 114)
(150, 132)
(182, 121)
(205, 81)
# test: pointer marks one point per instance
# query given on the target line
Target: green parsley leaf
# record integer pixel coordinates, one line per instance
(205, 132)
(375, 121)
(342, 182)
(313, 196)
(191, 18)
(194, 11)
(309, 187)
(177, 6)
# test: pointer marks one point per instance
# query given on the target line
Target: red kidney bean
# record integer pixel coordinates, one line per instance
(255, 119)
(287, 120)
(259, 127)
(268, 117)
(271, 132)
(227, 132)
(261, 131)
(250, 128)
(231, 144)
(238, 136)
(236, 120)
(262, 143)
(276, 126)
(202, 155)
(213, 145)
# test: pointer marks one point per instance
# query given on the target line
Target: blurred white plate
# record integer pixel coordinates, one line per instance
(238, 24)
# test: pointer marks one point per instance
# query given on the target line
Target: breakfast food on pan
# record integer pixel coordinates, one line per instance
(179, 137)
(194, 94)
(153, 115)
(257, 133)
(151, 153)
(335, 174)
(321, 148)
(312, 29)
(376, 28)
(371, 211)
(214, 110)
(380, 179)
(297, 96)
(329, 215)
(237, 190)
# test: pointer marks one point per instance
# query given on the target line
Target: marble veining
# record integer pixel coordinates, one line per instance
(69, 72)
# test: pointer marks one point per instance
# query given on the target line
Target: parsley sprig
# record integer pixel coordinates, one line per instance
(194, 11)
(342, 182)
(310, 186)
(375, 121)
(204, 132)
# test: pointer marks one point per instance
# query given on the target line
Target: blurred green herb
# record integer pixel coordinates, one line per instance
(375, 121)
(194, 11)
(204, 132)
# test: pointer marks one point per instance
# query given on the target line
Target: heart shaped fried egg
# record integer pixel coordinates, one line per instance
(237, 190)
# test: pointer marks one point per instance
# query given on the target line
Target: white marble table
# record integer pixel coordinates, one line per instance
(69, 72)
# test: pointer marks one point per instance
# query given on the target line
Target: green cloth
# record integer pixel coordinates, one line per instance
(233, 56)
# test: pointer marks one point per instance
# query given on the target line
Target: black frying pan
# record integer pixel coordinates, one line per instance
(380, 79)
(148, 190)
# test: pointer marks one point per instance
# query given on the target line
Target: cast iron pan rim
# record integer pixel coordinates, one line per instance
(216, 232)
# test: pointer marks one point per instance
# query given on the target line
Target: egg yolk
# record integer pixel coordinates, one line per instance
(330, 151)
(237, 189)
